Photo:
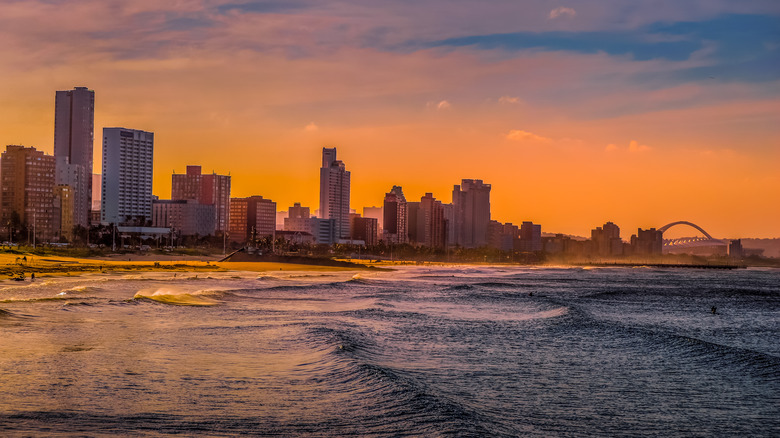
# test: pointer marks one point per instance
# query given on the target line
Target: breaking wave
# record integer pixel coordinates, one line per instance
(168, 295)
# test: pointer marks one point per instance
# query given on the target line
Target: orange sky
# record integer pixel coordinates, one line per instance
(571, 131)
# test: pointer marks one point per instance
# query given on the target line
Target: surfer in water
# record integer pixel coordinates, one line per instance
(714, 310)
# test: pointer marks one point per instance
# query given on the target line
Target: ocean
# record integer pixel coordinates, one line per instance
(419, 351)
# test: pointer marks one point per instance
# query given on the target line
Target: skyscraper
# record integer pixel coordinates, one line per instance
(334, 192)
(74, 123)
(434, 223)
(395, 216)
(26, 198)
(471, 202)
(127, 176)
(208, 189)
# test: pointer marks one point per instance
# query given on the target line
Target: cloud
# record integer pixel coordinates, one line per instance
(561, 11)
(311, 127)
(635, 147)
(508, 99)
(441, 105)
(520, 135)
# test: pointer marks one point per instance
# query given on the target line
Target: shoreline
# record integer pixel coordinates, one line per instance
(12, 266)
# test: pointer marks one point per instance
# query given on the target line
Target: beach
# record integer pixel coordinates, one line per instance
(13, 265)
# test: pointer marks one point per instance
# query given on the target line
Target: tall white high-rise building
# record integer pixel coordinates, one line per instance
(334, 193)
(127, 176)
(74, 125)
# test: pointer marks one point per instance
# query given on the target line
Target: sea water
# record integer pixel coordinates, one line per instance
(419, 351)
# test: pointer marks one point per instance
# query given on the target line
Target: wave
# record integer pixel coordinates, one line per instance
(41, 299)
(357, 278)
(79, 289)
(684, 347)
(495, 284)
(353, 366)
(173, 296)
(311, 286)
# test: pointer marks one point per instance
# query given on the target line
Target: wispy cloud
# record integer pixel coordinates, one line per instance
(440, 105)
(633, 147)
(525, 136)
(562, 11)
(508, 99)
(311, 127)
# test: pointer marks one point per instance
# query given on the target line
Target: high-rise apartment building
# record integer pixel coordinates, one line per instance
(471, 202)
(530, 237)
(74, 123)
(126, 196)
(647, 242)
(434, 223)
(296, 211)
(252, 217)
(364, 229)
(426, 223)
(503, 236)
(27, 194)
(395, 216)
(334, 192)
(606, 240)
(207, 189)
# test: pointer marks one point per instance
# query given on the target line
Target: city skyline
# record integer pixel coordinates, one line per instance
(642, 134)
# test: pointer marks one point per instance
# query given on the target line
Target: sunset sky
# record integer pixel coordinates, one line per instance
(577, 112)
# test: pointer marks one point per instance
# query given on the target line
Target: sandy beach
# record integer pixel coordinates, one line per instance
(15, 265)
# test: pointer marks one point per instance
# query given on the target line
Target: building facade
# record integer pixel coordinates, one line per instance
(647, 242)
(251, 217)
(126, 196)
(206, 189)
(606, 240)
(63, 205)
(530, 237)
(334, 192)
(296, 211)
(74, 126)
(364, 229)
(27, 195)
(395, 217)
(187, 217)
(471, 204)
(502, 236)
